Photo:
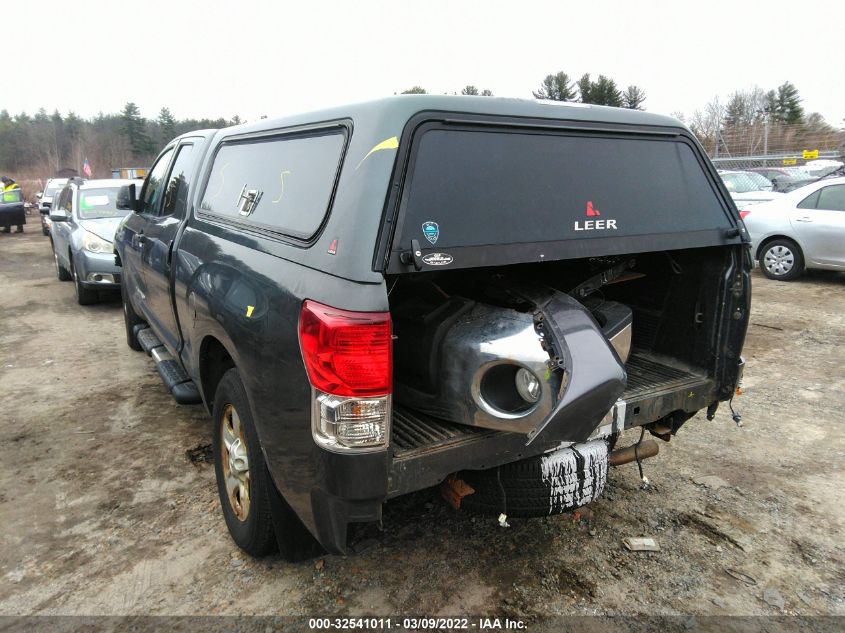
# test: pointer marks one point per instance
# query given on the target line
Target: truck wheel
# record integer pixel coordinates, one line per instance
(782, 260)
(258, 517)
(242, 479)
(540, 486)
(61, 271)
(130, 320)
(84, 296)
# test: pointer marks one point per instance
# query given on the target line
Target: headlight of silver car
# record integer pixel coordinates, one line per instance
(94, 244)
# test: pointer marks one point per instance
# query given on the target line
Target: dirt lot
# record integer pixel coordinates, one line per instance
(103, 511)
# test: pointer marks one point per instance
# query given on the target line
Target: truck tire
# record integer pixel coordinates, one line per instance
(61, 271)
(540, 486)
(130, 320)
(84, 296)
(240, 468)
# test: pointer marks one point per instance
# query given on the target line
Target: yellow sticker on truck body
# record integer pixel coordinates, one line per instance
(388, 143)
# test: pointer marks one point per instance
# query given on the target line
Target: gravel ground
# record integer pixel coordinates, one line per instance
(108, 506)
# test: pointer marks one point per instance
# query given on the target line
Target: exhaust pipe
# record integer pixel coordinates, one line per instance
(629, 454)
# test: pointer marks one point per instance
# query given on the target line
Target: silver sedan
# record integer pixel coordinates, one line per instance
(802, 229)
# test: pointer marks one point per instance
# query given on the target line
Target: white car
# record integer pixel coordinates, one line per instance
(51, 188)
(748, 188)
(820, 167)
(802, 229)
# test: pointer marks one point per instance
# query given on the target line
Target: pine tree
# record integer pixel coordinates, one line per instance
(605, 92)
(788, 104)
(735, 112)
(486, 93)
(167, 124)
(633, 98)
(770, 102)
(134, 130)
(585, 87)
(469, 90)
(556, 88)
(415, 90)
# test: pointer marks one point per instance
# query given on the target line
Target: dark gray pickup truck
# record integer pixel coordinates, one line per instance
(475, 292)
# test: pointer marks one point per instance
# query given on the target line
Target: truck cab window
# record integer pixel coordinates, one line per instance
(154, 187)
(176, 193)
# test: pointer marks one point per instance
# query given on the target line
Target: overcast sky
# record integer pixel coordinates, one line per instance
(212, 59)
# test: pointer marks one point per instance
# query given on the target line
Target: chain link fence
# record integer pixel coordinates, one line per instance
(791, 161)
(767, 145)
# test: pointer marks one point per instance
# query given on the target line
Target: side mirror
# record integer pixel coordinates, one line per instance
(39, 195)
(58, 215)
(127, 199)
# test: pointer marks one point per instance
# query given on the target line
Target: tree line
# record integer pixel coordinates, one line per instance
(38, 146)
(560, 87)
(601, 91)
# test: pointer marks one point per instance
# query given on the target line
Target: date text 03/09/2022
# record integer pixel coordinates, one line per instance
(409, 623)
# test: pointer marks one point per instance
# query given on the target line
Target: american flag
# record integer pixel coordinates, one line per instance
(86, 168)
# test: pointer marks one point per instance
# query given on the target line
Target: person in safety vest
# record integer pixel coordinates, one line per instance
(7, 184)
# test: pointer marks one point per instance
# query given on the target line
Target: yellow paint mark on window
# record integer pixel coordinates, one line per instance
(282, 192)
(390, 143)
(249, 310)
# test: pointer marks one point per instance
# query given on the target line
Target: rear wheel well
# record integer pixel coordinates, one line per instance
(772, 238)
(215, 361)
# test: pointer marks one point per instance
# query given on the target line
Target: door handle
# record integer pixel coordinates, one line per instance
(803, 219)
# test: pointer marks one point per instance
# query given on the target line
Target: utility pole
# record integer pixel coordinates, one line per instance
(765, 112)
(766, 132)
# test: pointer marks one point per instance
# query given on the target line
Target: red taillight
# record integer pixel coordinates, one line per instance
(346, 353)
(743, 214)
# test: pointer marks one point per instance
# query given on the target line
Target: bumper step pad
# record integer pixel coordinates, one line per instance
(174, 377)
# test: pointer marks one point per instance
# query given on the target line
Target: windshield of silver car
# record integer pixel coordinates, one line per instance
(99, 203)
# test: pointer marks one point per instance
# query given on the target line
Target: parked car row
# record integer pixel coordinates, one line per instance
(784, 179)
(84, 216)
(802, 229)
(795, 216)
(762, 184)
(45, 201)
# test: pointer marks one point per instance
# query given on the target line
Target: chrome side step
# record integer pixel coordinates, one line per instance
(172, 374)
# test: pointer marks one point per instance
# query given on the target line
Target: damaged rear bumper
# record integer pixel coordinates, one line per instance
(426, 449)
